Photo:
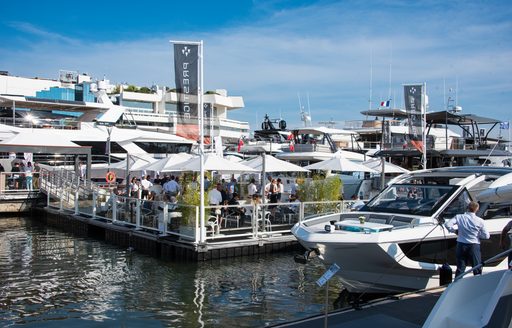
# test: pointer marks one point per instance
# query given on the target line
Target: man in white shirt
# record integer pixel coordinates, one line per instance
(267, 186)
(146, 185)
(214, 196)
(251, 188)
(470, 229)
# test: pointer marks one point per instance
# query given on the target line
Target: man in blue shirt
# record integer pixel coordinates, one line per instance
(470, 229)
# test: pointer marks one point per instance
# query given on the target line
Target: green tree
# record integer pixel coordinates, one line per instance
(116, 90)
(131, 88)
(145, 90)
(320, 188)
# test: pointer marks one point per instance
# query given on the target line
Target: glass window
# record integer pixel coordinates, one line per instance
(163, 148)
(411, 198)
(458, 206)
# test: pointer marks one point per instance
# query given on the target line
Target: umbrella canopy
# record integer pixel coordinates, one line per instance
(376, 164)
(212, 162)
(273, 164)
(341, 164)
(163, 165)
(134, 164)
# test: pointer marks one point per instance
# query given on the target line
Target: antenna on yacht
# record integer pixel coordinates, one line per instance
(444, 94)
(456, 91)
(390, 66)
(371, 82)
(303, 115)
(309, 107)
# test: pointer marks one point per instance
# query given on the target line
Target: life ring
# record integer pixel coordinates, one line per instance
(110, 177)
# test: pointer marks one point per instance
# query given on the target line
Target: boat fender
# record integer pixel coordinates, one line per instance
(445, 274)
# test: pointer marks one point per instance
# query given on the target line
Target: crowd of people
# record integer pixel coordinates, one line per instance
(23, 175)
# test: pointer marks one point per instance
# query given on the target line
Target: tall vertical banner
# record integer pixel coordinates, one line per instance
(186, 75)
(414, 107)
(386, 135)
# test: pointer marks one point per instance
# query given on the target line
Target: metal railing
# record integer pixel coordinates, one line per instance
(18, 182)
(67, 192)
(481, 265)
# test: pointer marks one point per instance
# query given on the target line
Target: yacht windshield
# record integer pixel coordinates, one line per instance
(411, 199)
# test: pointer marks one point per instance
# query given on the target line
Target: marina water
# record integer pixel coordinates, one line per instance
(50, 278)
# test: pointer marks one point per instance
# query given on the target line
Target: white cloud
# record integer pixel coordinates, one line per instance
(323, 50)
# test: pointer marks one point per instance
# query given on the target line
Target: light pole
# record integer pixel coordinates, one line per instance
(109, 132)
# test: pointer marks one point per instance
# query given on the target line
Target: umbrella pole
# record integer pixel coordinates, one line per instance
(127, 180)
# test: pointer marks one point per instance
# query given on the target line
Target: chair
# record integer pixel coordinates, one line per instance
(232, 218)
(289, 214)
(213, 223)
(268, 223)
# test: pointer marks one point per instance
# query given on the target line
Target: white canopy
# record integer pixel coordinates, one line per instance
(341, 164)
(376, 164)
(212, 162)
(135, 163)
(163, 165)
(273, 164)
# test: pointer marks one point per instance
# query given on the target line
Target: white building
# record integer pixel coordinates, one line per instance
(154, 111)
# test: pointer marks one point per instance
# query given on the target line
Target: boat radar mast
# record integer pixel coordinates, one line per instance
(305, 117)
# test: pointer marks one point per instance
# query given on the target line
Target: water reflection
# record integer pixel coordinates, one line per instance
(56, 279)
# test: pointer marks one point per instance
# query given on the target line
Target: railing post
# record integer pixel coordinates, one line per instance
(94, 204)
(166, 218)
(301, 212)
(203, 229)
(197, 231)
(254, 220)
(61, 198)
(47, 196)
(77, 211)
(137, 215)
(114, 208)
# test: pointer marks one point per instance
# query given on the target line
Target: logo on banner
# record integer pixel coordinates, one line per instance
(185, 51)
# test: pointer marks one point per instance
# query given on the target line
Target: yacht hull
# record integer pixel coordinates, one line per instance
(382, 262)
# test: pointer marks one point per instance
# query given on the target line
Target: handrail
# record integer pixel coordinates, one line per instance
(480, 265)
(70, 193)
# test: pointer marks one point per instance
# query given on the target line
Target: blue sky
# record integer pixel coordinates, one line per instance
(270, 52)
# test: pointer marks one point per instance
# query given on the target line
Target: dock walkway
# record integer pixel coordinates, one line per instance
(408, 310)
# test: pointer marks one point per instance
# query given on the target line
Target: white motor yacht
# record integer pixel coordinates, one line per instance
(122, 141)
(397, 241)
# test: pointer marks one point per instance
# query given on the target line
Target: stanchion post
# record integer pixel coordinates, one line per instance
(326, 303)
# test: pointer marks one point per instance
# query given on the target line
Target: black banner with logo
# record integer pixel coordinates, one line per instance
(414, 108)
(186, 75)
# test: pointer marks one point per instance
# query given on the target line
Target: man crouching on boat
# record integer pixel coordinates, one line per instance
(470, 229)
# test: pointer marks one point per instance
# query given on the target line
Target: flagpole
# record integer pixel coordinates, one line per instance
(202, 229)
(424, 125)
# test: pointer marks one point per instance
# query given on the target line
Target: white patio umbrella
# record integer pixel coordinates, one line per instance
(135, 163)
(338, 163)
(273, 164)
(163, 165)
(211, 162)
(376, 164)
